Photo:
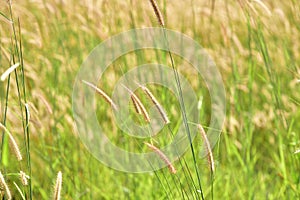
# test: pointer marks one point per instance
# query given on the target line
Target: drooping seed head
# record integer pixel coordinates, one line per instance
(102, 93)
(163, 157)
(208, 149)
(13, 142)
(139, 104)
(161, 111)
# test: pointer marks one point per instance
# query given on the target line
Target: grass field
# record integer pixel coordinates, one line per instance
(256, 47)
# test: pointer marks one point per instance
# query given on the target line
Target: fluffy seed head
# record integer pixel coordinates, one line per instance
(139, 104)
(3, 184)
(102, 93)
(161, 111)
(13, 142)
(163, 157)
(210, 157)
(24, 178)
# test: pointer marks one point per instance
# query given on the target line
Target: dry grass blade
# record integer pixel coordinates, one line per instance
(157, 13)
(3, 183)
(139, 104)
(157, 104)
(57, 188)
(163, 157)
(263, 6)
(8, 71)
(102, 93)
(13, 142)
(210, 157)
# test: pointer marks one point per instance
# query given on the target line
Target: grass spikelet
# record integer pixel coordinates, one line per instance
(24, 178)
(157, 105)
(157, 12)
(210, 157)
(136, 105)
(163, 157)
(13, 142)
(57, 188)
(102, 93)
(8, 71)
(139, 104)
(3, 183)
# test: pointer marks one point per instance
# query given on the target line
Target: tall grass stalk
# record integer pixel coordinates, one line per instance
(178, 84)
(183, 112)
(21, 88)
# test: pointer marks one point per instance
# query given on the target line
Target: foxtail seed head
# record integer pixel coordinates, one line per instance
(157, 13)
(163, 157)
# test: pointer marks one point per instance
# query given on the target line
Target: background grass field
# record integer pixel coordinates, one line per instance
(255, 44)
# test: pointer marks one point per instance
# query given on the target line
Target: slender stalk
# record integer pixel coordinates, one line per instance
(3, 143)
(18, 50)
(183, 169)
(178, 84)
(183, 112)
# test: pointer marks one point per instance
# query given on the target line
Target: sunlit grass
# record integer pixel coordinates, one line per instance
(255, 46)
